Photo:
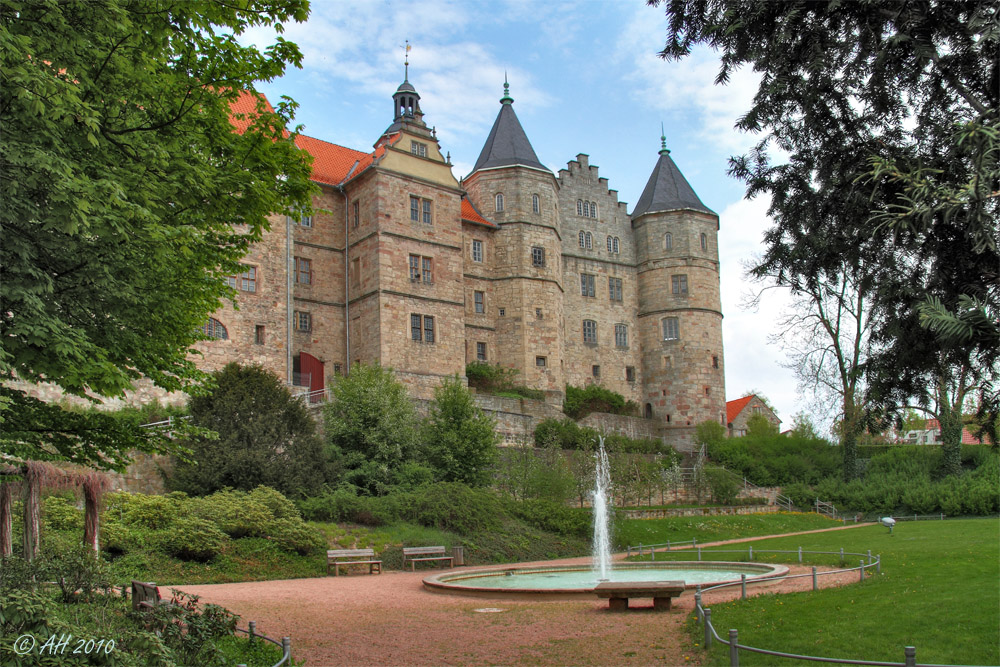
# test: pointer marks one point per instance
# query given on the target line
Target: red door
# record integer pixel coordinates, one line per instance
(313, 367)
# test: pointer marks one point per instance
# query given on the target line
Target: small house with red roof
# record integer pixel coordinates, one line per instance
(739, 412)
(930, 434)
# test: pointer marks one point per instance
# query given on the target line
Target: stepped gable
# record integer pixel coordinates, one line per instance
(507, 144)
(667, 190)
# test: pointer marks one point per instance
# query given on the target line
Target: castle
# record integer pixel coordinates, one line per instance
(548, 274)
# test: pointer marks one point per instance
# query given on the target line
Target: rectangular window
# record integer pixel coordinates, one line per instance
(621, 335)
(303, 321)
(427, 211)
(416, 327)
(502, 312)
(428, 329)
(303, 219)
(248, 279)
(427, 272)
(477, 251)
(615, 289)
(231, 281)
(589, 331)
(356, 272)
(480, 299)
(421, 269)
(415, 209)
(715, 362)
(357, 214)
(415, 268)
(587, 285)
(630, 373)
(481, 351)
(671, 328)
(258, 334)
(303, 271)
(541, 362)
(418, 148)
(537, 256)
(679, 284)
(595, 370)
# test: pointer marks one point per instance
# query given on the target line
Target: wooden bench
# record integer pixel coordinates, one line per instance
(338, 557)
(414, 554)
(619, 592)
(146, 596)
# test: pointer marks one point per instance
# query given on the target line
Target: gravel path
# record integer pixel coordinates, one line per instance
(391, 619)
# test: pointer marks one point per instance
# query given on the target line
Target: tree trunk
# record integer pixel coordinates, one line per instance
(950, 420)
(6, 520)
(850, 430)
(91, 530)
(32, 510)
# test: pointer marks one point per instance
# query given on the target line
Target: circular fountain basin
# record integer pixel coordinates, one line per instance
(576, 581)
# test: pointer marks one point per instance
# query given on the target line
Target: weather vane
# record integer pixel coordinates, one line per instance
(406, 60)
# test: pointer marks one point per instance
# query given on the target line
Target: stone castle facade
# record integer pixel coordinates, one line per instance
(546, 273)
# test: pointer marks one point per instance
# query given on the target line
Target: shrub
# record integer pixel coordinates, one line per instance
(192, 538)
(61, 513)
(723, 485)
(233, 512)
(280, 506)
(581, 402)
(709, 432)
(460, 440)
(140, 509)
(341, 505)
(295, 535)
(552, 517)
(78, 572)
(457, 508)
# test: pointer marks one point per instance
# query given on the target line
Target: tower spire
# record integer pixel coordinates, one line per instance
(663, 141)
(406, 62)
(506, 99)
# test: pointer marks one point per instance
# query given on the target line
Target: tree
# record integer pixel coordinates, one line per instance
(709, 432)
(370, 427)
(887, 112)
(459, 439)
(127, 195)
(759, 426)
(265, 437)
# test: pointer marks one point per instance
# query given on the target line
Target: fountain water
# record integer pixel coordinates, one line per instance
(602, 513)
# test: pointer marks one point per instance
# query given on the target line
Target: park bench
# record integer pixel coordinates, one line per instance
(338, 557)
(146, 596)
(619, 592)
(414, 554)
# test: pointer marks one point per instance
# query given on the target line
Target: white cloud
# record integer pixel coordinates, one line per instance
(679, 89)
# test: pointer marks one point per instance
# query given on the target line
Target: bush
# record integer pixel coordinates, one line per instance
(723, 485)
(140, 509)
(78, 572)
(192, 538)
(552, 517)
(296, 536)
(280, 506)
(581, 402)
(460, 440)
(232, 512)
(457, 508)
(339, 506)
(61, 513)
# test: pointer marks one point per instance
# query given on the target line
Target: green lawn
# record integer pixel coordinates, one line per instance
(713, 528)
(938, 591)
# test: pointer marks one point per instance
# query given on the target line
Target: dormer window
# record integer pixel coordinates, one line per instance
(499, 202)
(418, 148)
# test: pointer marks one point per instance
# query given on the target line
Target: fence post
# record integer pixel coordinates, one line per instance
(869, 556)
(734, 651)
(751, 553)
(253, 630)
(699, 553)
(743, 586)
(629, 550)
(694, 541)
(708, 629)
(815, 580)
(841, 555)
(668, 545)
(697, 602)
(861, 570)
(942, 516)
(910, 653)
(800, 555)
(286, 647)
(878, 563)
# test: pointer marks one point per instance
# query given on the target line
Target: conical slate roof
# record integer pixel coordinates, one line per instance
(667, 190)
(507, 144)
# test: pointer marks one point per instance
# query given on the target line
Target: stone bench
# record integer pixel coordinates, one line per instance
(619, 592)
(414, 554)
(339, 557)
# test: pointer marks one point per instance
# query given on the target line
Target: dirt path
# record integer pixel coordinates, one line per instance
(391, 619)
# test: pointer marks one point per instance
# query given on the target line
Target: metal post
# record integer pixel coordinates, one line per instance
(800, 555)
(286, 646)
(942, 516)
(751, 553)
(629, 550)
(652, 553)
(668, 545)
(815, 580)
(694, 541)
(861, 570)
(253, 630)
(869, 556)
(697, 602)
(878, 564)
(699, 553)
(910, 653)
(734, 651)
(708, 629)
(640, 549)
(743, 586)
(841, 555)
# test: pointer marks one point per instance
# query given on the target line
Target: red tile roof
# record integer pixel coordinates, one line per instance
(246, 105)
(967, 437)
(332, 163)
(471, 214)
(734, 408)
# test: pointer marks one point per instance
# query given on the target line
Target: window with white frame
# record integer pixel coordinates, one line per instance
(609, 244)
(303, 271)
(579, 207)
(587, 284)
(477, 251)
(302, 321)
(583, 239)
(418, 148)
(590, 241)
(621, 335)
(215, 329)
(479, 298)
(615, 289)
(616, 246)
(535, 204)
(589, 331)
(499, 202)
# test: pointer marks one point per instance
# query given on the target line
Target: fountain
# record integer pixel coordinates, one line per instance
(602, 513)
(575, 581)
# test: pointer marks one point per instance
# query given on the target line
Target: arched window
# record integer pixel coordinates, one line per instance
(214, 329)
(535, 208)
(590, 241)
(610, 245)
(593, 209)
(586, 209)
(579, 207)
(616, 245)
(583, 239)
(499, 202)
(668, 241)
(704, 241)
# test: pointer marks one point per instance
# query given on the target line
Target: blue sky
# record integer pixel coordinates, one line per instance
(585, 79)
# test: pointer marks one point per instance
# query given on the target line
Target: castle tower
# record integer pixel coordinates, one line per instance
(512, 188)
(680, 311)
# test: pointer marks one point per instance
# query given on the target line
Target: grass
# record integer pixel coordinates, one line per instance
(938, 591)
(713, 528)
